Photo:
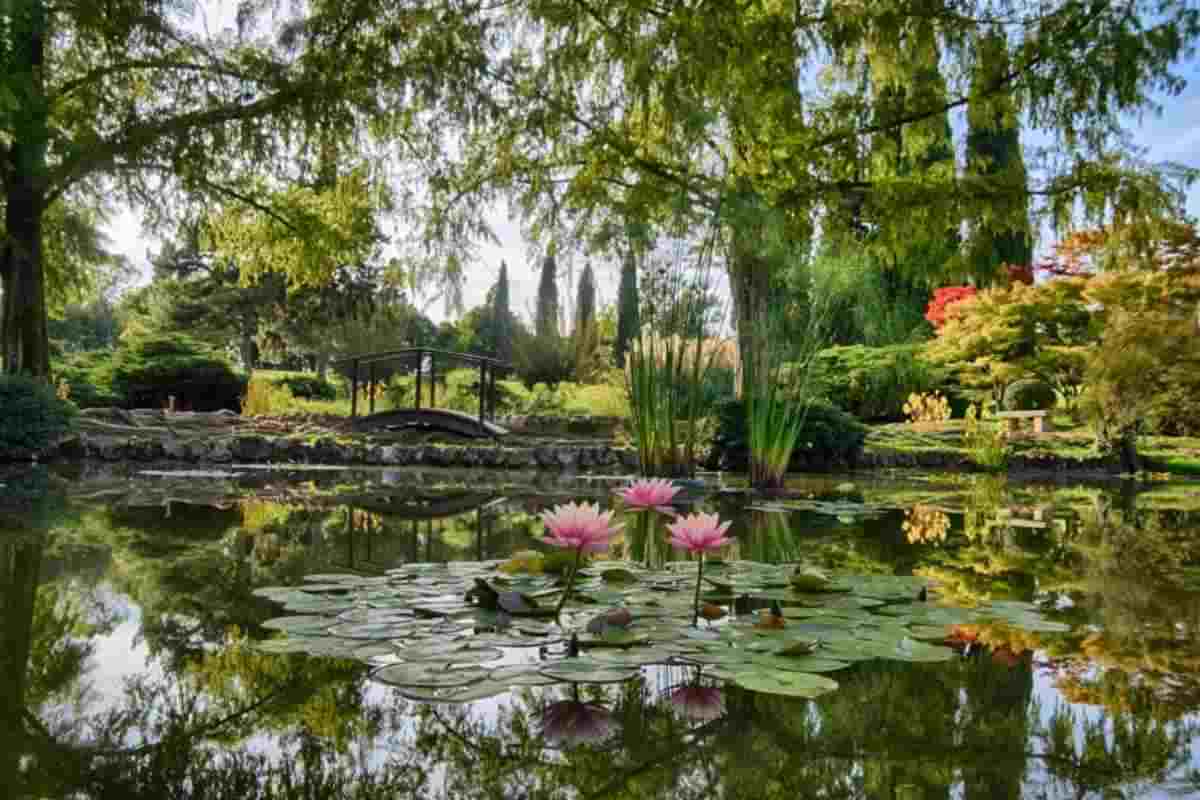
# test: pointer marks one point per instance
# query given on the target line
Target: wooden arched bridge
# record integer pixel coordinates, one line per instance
(375, 369)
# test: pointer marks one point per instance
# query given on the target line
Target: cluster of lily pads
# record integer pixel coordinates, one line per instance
(462, 631)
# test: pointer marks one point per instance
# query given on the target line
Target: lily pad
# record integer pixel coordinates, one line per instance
(299, 624)
(588, 671)
(427, 676)
(788, 684)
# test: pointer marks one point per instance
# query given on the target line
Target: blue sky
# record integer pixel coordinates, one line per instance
(1173, 134)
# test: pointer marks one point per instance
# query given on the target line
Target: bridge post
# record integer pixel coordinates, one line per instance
(482, 389)
(420, 366)
(354, 391)
(492, 392)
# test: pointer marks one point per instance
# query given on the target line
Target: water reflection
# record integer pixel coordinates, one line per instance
(1107, 710)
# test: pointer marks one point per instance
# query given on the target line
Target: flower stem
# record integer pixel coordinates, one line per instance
(570, 582)
(696, 600)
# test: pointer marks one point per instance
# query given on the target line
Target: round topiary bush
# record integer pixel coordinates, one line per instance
(31, 416)
(308, 387)
(1029, 395)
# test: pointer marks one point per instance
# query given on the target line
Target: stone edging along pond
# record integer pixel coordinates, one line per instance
(262, 449)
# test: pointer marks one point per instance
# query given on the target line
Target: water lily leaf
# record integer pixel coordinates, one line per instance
(587, 671)
(474, 655)
(788, 684)
(441, 652)
(798, 647)
(521, 675)
(369, 630)
(428, 676)
(614, 637)
(283, 644)
(635, 657)
(813, 663)
(810, 579)
(300, 625)
(619, 575)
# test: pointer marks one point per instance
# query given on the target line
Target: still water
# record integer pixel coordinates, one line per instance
(129, 665)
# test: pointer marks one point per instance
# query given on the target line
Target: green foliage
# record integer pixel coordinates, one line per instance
(267, 396)
(88, 378)
(586, 334)
(544, 359)
(31, 414)
(1029, 395)
(145, 370)
(828, 438)
(984, 440)
(308, 387)
(874, 383)
(869, 302)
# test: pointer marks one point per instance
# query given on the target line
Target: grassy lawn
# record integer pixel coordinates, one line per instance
(1177, 455)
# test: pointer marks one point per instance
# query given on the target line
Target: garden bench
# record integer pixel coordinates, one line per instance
(1012, 420)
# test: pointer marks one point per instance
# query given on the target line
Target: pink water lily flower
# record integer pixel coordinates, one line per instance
(650, 493)
(582, 527)
(570, 722)
(701, 703)
(699, 533)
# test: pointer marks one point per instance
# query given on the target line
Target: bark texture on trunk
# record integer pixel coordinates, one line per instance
(24, 344)
(750, 285)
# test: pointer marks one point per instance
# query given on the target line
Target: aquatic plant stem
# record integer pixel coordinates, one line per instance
(570, 582)
(696, 599)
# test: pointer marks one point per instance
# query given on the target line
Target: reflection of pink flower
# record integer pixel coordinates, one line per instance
(573, 722)
(699, 533)
(655, 493)
(580, 526)
(701, 703)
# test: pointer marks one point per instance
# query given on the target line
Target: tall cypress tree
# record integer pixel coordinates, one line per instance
(628, 320)
(994, 158)
(502, 327)
(546, 321)
(586, 335)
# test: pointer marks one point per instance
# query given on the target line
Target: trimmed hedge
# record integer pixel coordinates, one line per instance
(31, 415)
(830, 438)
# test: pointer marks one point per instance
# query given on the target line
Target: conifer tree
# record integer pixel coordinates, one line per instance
(586, 334)
(502, 327)
(994, 159)
(628, 320)
(546, 318)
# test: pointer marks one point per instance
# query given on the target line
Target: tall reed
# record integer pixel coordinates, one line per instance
(665, 374)
(777, 404)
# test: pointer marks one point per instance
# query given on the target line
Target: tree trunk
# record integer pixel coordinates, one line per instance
(322, 364)
(248, 349)
(750, 285)
(24, 345)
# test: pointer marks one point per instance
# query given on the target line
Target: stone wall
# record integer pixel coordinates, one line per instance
(250, 449)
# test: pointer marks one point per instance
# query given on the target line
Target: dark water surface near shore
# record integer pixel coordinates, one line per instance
(128, 665)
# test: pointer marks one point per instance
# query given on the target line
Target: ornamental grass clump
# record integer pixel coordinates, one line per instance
(582, 528)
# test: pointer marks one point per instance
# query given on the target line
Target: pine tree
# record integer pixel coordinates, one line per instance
(546, 320)
(994, 158)
(586, 335)
(502, 327)
(628, 320)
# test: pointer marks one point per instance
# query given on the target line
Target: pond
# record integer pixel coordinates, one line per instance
(321, 634)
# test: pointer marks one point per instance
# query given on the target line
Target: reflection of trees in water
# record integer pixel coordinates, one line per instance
(969, 728)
